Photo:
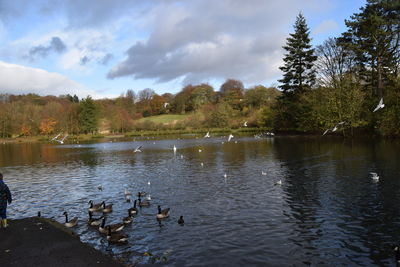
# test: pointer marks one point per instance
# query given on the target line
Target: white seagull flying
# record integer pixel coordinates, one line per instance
(380, 105)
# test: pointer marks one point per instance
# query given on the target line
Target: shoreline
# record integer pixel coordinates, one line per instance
(44, 242)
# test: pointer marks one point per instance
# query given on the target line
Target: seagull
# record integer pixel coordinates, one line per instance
(200, 150)
(263, 173)
(62, 140)
(278, 182)
(55, 137)
(100, 187)
(380, 105)
(225, 175)
(137, 149)
(245, 124)
(148, 183)
(127, 193)
(148, 197)
(230, 137)
(374, 177)
(207, 135)
(174, 149)
(202, 164)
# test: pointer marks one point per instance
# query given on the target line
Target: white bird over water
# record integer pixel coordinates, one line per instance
(380, 105)
(263, 173)
(62, 140)
(225, 175)
(230, 137)
(278, 182)
(374, 176)
(137, 149)
(245, 124)
(174, 149)
(55, 137)
(207, 135)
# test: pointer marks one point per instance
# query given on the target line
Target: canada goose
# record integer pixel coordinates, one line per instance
(108, 208)
(181, 221)
(162, 213)
(39, 214)
(116, 237)
(95, 207)
(94, 221)
(127, 220)
(143, 203)
(133, 210)
(141, 194)
(114, 227)
(70, 223)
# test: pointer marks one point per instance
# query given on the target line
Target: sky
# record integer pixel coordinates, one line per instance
(102, 48)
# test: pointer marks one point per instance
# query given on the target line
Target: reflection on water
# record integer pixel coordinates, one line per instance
(326, 212)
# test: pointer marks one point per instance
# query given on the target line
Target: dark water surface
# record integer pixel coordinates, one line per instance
(327, 212)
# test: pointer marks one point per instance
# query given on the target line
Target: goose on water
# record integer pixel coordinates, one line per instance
(70, 223)
(133, 210)
(143, 203)
(114, 227)
(95, 207)
(162, 213)
(117, 238)
(94, 221)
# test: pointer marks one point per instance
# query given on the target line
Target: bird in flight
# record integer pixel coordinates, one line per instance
(245, 124)
(62, 140)
(207, 135)
(137, 149)
(380, 105)
(334, 129)
(230, 137)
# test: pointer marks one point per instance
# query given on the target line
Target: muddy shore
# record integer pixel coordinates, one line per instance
(43, 242)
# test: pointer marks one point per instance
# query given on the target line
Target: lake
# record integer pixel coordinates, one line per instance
(327, 211)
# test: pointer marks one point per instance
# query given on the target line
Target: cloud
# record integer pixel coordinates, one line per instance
(325, 26)
(56, 45)
(17, 79)
(106, 59)
(193, 42)
(84, 60)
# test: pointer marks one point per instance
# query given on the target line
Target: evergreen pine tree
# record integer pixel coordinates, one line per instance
(299, 73)
(88, 115)
(373, 36)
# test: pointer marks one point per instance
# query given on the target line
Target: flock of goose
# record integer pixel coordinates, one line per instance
(114, 232)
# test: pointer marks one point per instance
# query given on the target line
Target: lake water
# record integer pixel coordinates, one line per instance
(327, 211)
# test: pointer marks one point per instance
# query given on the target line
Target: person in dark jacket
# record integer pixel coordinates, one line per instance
(5, 197)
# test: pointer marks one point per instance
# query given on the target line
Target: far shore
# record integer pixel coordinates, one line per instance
(139, 134)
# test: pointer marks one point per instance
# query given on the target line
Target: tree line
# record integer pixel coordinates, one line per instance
(338, 82)
(31, 114)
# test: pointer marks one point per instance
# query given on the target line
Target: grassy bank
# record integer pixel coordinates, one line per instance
(141, 133)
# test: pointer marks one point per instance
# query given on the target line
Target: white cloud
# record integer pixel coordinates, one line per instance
(17, 79)
(325, 27)
(200, 40)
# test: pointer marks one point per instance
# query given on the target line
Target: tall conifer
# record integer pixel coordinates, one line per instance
(299, 73)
